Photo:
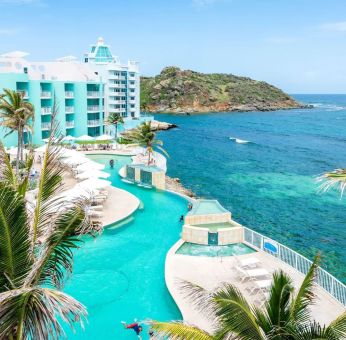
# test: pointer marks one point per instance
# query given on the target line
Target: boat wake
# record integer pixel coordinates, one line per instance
(238, 140)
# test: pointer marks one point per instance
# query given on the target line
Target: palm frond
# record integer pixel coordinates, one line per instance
(179, 331)
(305, 296)
(15, 260)
(332, 179)
(235, 315)
(7, 173)
(337, 328)
(55, 260)
(277, 306)
(31, 313)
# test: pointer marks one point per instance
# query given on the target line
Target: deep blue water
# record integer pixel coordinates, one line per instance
(269, 184)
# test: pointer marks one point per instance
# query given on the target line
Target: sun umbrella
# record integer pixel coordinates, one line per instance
(94, 183)
(93, 174)
(85, 138)
(104, 137)
(77, 160)
(90, 165)
(68, 139)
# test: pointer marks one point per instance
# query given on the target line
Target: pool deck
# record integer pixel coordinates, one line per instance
(210, 272)
(119, 205)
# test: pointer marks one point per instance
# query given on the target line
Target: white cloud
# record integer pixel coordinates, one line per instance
(339, 26)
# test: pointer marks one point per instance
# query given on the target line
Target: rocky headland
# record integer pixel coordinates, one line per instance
(185, 91)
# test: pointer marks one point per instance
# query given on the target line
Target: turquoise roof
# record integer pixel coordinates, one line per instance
(207, 207)
(103, 54)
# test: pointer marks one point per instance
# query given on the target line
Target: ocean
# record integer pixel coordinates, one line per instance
(269, 184)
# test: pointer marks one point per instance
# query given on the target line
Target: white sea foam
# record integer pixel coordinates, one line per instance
(329, 107)
(240, 141)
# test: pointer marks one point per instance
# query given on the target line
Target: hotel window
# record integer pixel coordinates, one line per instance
(132, 90)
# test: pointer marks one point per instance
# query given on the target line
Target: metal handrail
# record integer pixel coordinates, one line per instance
(325, 280)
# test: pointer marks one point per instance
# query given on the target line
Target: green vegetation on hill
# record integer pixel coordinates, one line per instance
(176, 90)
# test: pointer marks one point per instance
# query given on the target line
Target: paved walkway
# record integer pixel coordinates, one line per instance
(209, 272)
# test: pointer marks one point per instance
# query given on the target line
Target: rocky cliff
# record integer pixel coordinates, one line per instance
(184, 91)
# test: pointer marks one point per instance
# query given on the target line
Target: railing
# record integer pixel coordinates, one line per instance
(327, 281)
(45, 126)
(46, 110)
(93, 108)
(69, 109)
(93, 123)
(46, 94)
(69, 123)
(93, 94)
(69, 94)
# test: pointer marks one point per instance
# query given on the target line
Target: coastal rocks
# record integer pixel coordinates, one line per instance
(157, 125)
(174, 184)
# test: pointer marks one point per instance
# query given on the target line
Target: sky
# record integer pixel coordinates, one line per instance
(297, 45)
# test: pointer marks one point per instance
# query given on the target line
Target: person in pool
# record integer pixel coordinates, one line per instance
(135, 326)
(111, 163)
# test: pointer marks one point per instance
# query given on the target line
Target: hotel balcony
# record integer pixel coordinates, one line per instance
(116, 101)
(70, 124)
(45, 126)
(69, 109)
(132, 101)
(24, 94)
(93, 123)
(46, 111)
(118, 86)
(46, 94)
(132, 86)
(93, 108)
(69, 94)
(93, 94)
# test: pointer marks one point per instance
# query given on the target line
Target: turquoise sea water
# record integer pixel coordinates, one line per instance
(119, 275)
(269, 184)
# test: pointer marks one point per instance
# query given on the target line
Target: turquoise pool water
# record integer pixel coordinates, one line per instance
(213, 251)
(119, 275)
(207, 207)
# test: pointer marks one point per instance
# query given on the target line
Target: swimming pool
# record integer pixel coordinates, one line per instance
(193, 249)
(119, 275)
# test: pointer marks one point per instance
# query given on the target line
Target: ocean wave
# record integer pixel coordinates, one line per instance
(328, 107)
(238, 140)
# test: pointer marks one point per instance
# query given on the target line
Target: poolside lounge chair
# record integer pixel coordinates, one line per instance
(250, 262)
(252, 274)
(260, 285)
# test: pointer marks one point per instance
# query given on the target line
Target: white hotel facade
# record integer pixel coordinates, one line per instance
(85, 92)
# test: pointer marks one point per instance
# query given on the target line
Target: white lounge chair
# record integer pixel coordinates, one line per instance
(249, 262)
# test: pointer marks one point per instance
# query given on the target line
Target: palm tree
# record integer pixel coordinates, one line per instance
(332, 179)
(16, 115)
(285, 315)
(145, 137)
(115, 119)
(36, 243)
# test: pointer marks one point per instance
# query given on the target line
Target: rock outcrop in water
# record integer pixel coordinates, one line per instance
(184, 91)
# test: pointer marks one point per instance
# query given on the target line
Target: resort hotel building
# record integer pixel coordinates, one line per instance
(85, 92)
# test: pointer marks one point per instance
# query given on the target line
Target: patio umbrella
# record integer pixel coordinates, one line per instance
(94, 183)
(85, 138)
(104, 137)
(93, 174)
(76, 160)
(68, 139)
(90, 165)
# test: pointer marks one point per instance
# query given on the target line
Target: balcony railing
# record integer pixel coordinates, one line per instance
(45, 126)
(69, 109)
(93, 94)
(69, 94)
(94, 122)
(70, 123)
(24, 93)
(325, 280)
(46, 110)
(46, 94)
(118, 86)
(93, 108)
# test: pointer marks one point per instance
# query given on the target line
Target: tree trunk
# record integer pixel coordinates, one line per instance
(18, 152)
